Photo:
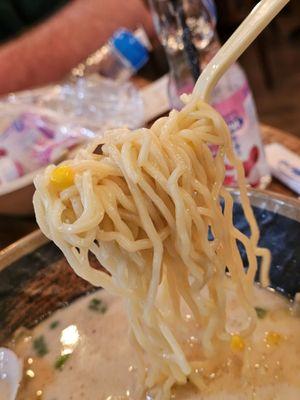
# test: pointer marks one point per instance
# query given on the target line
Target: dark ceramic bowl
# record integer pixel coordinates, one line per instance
(35, 278)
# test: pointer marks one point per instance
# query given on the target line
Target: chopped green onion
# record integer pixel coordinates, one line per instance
(60, 361)
(40, 346)
(97, 305)
(54, 324)
(261, 312)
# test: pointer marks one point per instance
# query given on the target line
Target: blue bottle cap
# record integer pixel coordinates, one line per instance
(130, 48)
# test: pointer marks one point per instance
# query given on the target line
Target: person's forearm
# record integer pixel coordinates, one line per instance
(51, 49)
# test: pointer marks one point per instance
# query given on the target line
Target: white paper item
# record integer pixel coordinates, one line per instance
(155, 98)
(284, 165)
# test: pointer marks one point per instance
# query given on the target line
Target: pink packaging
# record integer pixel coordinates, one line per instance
(32, 140)
(239, 112)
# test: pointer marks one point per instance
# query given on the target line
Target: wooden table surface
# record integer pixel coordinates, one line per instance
(14, 228)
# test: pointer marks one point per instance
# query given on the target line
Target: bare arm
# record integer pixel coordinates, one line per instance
(47, 52)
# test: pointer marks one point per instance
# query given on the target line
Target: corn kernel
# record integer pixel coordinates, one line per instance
(273, 338)
(62, 177)
(237, 343)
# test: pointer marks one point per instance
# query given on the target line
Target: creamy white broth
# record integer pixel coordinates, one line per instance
(101, 363)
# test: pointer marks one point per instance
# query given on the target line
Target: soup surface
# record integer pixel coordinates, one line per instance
(83, 352)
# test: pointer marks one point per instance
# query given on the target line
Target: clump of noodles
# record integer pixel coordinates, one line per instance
(147, 205)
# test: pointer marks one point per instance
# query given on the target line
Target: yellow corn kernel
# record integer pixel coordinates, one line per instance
(237, 343)
(62, 177)
(273, 338)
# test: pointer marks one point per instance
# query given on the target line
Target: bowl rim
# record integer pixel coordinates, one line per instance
(277, 202)
(288, 206)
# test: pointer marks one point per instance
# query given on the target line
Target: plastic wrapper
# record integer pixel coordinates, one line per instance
(39, 126)
(32, 137)
(94, 102)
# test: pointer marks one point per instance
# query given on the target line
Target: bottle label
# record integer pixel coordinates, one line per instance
(239, 112)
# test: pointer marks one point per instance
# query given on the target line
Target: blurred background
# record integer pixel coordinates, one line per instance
(71, 69)
(272, 62)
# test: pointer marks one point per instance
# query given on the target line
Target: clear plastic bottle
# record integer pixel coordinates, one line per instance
(120, 58)
(200, 20)
(232, 96)
(180, 79)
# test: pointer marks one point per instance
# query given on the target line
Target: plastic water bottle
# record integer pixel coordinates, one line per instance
(120, 58)
(232, 96)
(200, 24)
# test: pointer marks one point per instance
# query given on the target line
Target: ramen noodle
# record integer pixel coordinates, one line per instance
(151, 206)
